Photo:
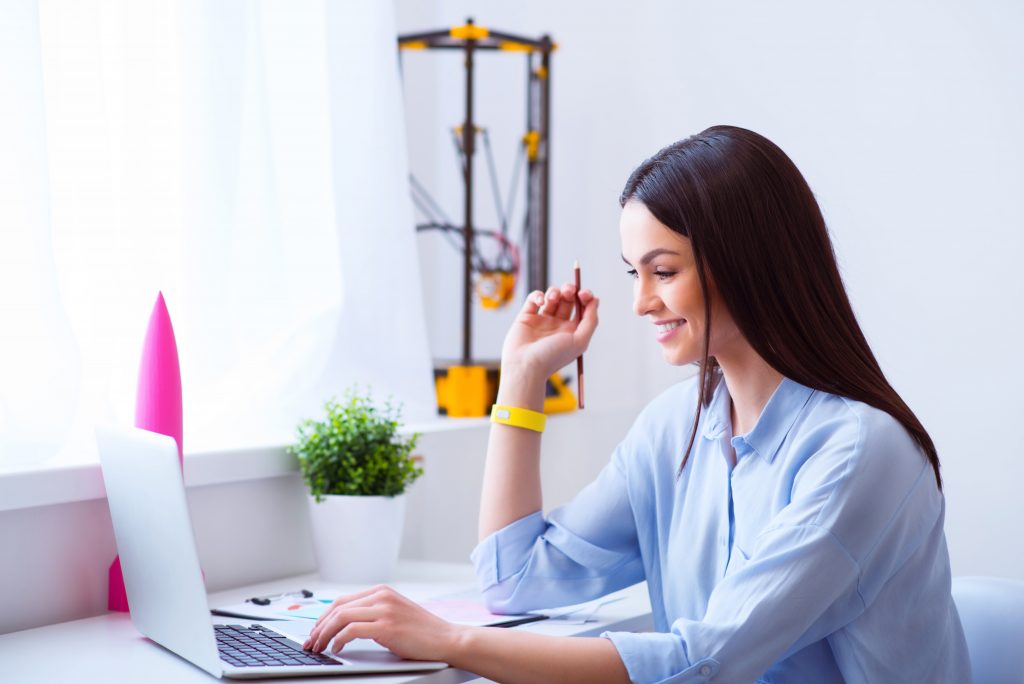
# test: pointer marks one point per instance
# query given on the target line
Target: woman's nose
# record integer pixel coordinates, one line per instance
(644, 301)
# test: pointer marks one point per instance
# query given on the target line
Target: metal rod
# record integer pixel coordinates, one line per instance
(531, 185)
(468, 135)
(545, 151)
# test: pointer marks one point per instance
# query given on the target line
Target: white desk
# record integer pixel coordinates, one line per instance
(108, 649)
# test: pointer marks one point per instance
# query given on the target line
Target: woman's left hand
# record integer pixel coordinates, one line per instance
(405, 628)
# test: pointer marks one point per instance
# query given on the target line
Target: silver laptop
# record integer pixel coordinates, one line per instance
(164, 582)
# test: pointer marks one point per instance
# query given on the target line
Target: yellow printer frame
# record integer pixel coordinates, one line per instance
(468, 387)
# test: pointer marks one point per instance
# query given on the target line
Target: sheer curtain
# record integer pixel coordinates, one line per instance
(246, 158)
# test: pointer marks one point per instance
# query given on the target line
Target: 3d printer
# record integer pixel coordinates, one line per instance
(468, 386)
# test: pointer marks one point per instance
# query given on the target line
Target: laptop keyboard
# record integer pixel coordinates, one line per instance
(256, 646)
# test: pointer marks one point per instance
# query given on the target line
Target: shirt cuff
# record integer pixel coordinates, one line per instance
(659, 658)
(505, 552)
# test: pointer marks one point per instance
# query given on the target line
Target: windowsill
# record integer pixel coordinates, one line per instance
(49, 484)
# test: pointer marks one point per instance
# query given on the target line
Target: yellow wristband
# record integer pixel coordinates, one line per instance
(518, 417)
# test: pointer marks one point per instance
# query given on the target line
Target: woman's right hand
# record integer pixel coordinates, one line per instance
(545, 336)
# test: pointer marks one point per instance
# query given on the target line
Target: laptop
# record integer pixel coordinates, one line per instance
(164, 582)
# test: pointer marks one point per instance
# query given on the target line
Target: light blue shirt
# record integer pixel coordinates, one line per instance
(819, 557)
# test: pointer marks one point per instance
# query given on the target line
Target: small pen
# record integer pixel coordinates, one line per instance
(265, 600)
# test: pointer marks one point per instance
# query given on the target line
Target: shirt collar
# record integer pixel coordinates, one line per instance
(717, 418)
(776, 420)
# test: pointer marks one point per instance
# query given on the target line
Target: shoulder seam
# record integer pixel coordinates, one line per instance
(854, 456)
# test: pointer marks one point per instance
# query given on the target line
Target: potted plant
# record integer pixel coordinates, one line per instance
(357, 468)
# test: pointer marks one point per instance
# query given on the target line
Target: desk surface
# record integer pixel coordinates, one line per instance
(107, 648)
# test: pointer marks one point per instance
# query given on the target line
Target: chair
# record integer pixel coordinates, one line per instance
(992, 613)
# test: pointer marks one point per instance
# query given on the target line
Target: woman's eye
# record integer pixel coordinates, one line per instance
(661, 275)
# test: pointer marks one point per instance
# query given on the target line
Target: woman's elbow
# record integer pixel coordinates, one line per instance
(503, 599)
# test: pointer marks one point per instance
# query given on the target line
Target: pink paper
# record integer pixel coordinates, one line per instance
(463, 611)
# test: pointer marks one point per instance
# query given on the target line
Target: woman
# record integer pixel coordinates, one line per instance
(784, 506)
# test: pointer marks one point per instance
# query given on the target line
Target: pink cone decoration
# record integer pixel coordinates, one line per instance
(157, 407)
(158, 397)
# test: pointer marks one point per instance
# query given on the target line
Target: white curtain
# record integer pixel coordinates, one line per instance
(246, 158)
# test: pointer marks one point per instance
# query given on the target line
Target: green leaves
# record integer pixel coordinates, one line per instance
(355, 450)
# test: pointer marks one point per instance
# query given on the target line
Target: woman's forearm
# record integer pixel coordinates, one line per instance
(511, 487)
(512, 657)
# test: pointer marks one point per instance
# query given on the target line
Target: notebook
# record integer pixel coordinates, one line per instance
(164, 582)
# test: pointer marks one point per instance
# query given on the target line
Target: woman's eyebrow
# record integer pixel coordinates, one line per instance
(647, 258)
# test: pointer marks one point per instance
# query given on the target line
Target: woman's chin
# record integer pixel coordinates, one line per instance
(677, 357)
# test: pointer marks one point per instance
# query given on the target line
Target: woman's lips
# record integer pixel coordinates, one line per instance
(664, 335)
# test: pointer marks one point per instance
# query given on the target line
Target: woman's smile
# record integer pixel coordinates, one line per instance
(667, 330)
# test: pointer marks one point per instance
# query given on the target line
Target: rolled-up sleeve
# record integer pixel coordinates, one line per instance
(582, 550)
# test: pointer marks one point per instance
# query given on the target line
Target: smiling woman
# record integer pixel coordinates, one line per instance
(784, 507)
(667, 286)
(761, 250)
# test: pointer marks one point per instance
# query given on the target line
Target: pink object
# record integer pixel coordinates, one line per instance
(157, 407)
(158, 397)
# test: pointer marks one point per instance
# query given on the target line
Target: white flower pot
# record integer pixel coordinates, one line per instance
(356, 538)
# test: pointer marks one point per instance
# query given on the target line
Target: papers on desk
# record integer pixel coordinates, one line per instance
(579, 613)
(464, 608)
(284, 608)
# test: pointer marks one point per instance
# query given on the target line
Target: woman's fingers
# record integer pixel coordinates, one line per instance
(557, 302)
(393, 621)
(340, 619)
(586, 327)
(567, 303)
(325, 621)
(533, 302)
(552, 298)
(367, 597)
(356, 630)
(342, 600)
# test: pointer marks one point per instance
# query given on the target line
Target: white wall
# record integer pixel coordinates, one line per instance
(903, 116)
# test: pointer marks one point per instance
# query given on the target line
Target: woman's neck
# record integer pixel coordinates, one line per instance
(751, 382)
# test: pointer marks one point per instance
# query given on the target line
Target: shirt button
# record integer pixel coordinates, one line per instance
(705, 670)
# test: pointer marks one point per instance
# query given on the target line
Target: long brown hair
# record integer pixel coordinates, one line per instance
(758, 233)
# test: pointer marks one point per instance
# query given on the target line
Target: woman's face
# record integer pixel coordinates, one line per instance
(666, 288)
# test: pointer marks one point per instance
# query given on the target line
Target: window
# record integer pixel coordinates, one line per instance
(248, 160)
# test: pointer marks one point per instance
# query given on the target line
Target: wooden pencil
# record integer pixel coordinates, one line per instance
(579, 317)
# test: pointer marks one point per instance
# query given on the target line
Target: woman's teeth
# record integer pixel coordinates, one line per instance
(665, 327)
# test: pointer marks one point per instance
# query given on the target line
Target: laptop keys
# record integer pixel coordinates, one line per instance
(256, 646)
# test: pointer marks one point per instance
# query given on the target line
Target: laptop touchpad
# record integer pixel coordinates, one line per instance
(367, 651)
